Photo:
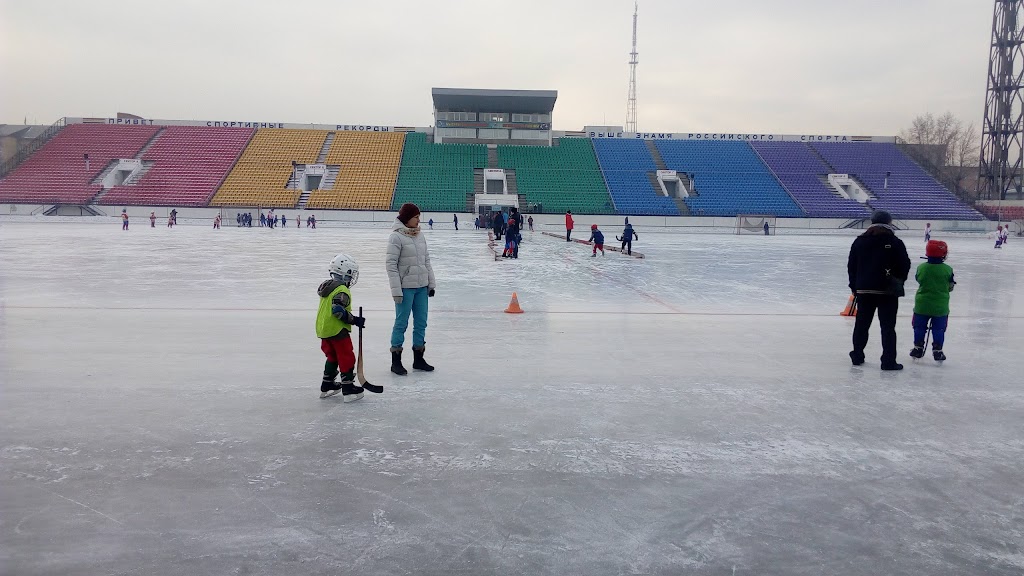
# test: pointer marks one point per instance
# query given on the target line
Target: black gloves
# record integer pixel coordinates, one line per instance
(359, 321)
(431, 293)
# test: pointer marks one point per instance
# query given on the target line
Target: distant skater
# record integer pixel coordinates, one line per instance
(152, 219)
(568, 225)
(628, 234)
(512, 237)
(597, 237)
(455, 220)
(124, 219)
(497, 223)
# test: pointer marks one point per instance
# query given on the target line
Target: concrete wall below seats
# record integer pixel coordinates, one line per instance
(541, 221)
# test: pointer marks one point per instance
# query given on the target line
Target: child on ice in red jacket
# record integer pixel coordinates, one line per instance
(597, 237)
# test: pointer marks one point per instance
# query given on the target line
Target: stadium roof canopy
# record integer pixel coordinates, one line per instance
(481, 100)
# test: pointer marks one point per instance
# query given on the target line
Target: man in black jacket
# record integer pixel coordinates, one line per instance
(878, 267)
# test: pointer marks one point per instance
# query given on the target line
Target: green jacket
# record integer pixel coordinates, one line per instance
(935, 282)
(334, 315)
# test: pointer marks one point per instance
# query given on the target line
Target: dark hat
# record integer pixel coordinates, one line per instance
(407, 212)
(881, 217)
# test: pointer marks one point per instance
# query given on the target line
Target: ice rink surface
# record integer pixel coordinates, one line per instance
(692, 413)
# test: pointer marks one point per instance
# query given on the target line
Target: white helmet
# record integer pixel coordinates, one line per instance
(344, 268)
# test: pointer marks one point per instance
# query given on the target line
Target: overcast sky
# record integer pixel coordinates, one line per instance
(759, 66)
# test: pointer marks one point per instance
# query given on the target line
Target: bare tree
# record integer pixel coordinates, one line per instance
(947, 147)
(965, 160)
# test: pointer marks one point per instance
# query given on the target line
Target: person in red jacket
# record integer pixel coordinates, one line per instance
(568, 225)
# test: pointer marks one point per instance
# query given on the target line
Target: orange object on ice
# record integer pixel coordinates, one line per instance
(851, 307)
(513, 306)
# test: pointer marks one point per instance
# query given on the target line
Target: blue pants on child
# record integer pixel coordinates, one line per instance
(414, 301)
(939, 324)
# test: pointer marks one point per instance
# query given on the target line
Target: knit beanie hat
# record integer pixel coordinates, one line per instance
(881, 217)
(407, 212)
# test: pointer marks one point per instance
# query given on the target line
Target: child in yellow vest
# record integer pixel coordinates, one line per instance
(334, 322)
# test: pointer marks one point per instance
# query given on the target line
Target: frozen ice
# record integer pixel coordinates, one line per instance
(693, 412)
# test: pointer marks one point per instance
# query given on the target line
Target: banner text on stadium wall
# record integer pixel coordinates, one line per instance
(230, 124)
(720, 136)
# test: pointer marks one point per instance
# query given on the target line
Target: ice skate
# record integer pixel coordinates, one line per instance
(350, 392)
(918, 351)
(328, 389)
(938, 354)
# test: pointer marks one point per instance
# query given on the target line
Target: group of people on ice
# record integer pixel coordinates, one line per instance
(877, 267)
(597, 237)
(270, 220)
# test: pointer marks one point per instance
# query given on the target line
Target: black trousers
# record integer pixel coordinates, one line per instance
(627, 247)
(568, 233)
(887, 307)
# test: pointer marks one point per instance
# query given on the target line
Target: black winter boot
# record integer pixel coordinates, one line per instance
(857, 358)
(418, 363)
(396, 362)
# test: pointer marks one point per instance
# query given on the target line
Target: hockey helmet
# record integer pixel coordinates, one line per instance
(593, 226)
(936, 249)
(344, 268)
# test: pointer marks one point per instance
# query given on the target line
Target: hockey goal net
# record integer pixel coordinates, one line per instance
(754, 224)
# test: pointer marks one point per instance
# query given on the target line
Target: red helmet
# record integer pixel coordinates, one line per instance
(593, 226)
(936, 249)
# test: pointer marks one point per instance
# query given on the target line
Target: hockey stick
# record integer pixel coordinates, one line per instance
(927, 334)
(359, 365)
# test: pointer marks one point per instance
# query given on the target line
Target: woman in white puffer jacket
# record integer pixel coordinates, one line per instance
(412, 282)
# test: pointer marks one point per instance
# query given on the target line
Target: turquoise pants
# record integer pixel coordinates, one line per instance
(414, 301)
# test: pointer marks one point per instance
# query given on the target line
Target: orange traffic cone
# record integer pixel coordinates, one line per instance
(513, 306)
(851, 307)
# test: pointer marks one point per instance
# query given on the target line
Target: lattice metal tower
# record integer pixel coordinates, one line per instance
(631, 103)
(1002, 133)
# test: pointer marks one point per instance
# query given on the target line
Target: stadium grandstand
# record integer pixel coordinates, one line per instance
(485, 147)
